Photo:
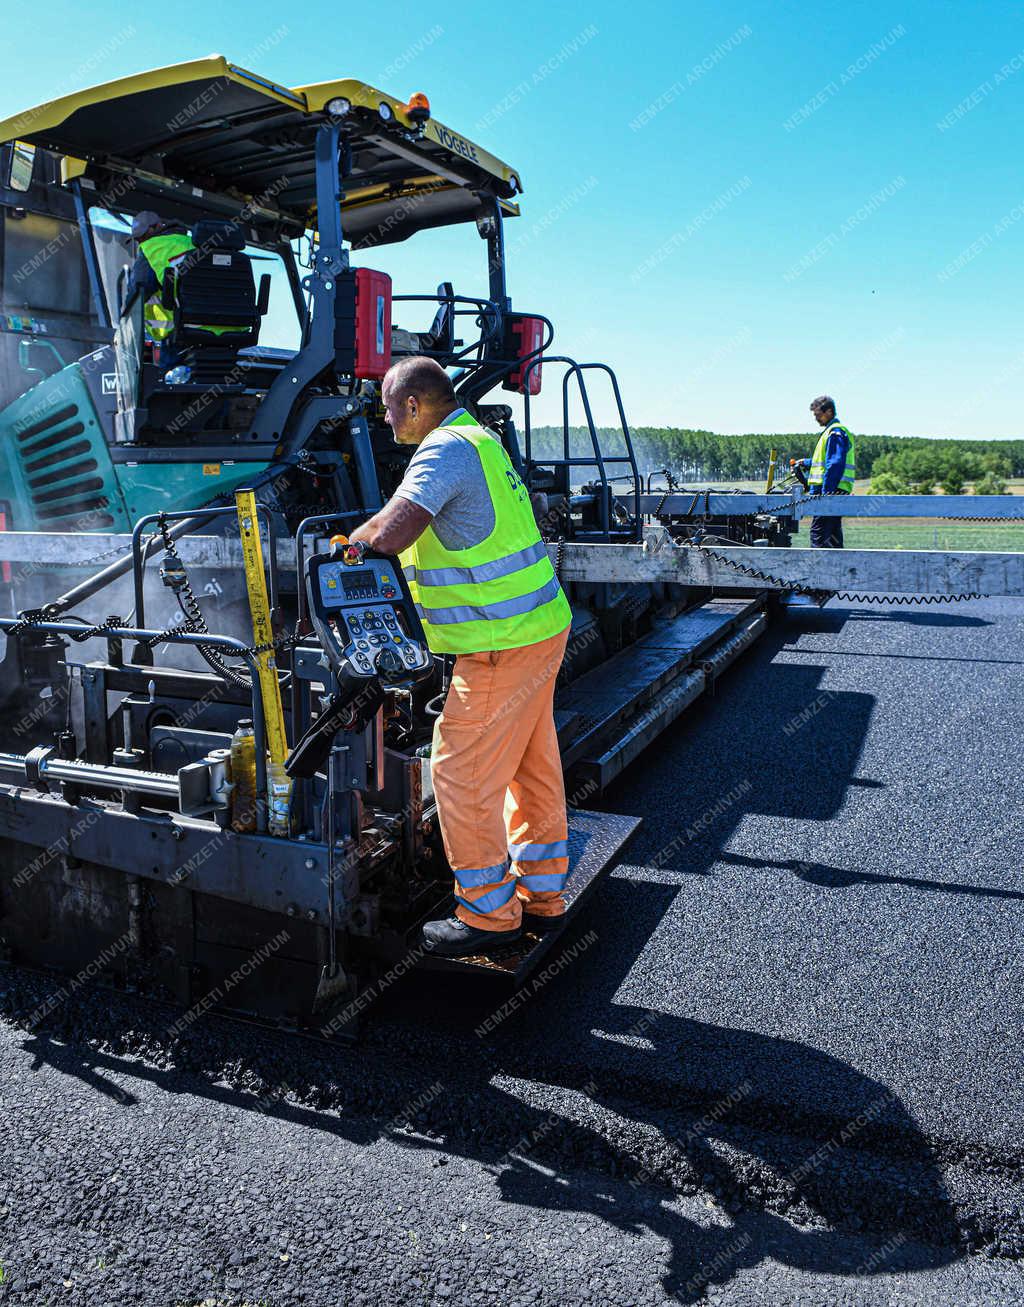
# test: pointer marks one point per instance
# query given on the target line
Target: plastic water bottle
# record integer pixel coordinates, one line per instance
(279, 784)
(243, 777)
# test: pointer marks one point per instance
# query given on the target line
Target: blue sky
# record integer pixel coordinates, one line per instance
(737, 205)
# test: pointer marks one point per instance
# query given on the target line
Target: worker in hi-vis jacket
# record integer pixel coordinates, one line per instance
(830, 470)
(465, 532)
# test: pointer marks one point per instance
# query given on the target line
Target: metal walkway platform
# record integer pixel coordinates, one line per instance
(595, 840)
(609, 715)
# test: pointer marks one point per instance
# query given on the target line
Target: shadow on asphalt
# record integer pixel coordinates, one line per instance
(848, 1187)
(832, 619)
(767, 1127)
(817, 873)
(79, 1062)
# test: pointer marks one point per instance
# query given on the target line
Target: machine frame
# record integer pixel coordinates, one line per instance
(115, 808)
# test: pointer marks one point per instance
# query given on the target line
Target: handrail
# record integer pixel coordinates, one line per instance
(300, 532)
(485, 306)
(485, 309)
(661, 472)
(200, 515)
(226, 642)
(600, 460)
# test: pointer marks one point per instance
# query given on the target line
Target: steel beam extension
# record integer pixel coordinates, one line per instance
(47, 550)
(883, 571)
(720, 504)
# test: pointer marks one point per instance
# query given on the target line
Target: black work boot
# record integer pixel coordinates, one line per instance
(450, 938)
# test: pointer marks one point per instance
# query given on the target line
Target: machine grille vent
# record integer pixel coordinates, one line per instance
(70, 488)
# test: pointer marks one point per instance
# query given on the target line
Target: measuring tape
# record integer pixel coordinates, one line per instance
(772, 460)
(262, 631)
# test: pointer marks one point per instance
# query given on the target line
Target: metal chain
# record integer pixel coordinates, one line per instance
(847, 595)
(797, 588)
(86, 562)
(693, 502)
(195, 621)
(31, 617)
(907, 600)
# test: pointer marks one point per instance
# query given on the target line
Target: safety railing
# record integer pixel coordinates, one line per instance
(486, 317)
(140, 554)
(632, 528)
(488, 320)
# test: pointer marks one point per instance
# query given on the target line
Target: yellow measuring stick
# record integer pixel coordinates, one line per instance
(772, 460)
(262, 632)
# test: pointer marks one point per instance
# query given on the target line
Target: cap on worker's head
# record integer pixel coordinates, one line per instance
(143, 222)
(823, 402)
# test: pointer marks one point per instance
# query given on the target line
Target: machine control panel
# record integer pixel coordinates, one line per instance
(365, 618)
(340, 584)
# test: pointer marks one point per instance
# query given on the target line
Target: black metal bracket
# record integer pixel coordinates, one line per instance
(274, 416)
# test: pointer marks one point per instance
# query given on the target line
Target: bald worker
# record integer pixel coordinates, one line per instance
(463, 527)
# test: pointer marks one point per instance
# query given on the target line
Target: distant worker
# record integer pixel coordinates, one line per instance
(830, 471)
(162, 245)
(486, 591)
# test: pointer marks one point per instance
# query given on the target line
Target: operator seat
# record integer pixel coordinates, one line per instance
(214, 286)
(439, 342)
(441, 336)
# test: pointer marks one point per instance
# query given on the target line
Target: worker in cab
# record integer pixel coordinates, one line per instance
(463, 526)
(161, 245)
(829, 471)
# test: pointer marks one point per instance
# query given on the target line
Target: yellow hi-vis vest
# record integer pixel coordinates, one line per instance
(816, 475)
(499, 594)
(161, 253)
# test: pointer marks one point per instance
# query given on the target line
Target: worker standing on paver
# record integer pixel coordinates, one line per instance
(486, 591)
(830, 470)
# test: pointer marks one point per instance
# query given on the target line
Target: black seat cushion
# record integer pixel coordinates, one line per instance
(215, 288)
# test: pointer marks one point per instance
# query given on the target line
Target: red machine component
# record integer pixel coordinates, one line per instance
(372, 324)
(525, 337)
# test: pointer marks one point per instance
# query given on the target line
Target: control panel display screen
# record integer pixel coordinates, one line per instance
(359, 585)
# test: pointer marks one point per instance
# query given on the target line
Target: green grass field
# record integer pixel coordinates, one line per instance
(928, 533)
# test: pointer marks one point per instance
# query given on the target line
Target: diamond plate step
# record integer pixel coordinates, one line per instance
(595, 840)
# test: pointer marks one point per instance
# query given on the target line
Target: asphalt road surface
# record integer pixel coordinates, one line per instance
(780, 1061)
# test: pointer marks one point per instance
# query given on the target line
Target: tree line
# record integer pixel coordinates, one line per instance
(895, 464)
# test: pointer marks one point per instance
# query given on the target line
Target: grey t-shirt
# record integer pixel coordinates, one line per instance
(446, 478)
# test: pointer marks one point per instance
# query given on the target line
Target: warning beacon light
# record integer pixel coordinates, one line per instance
(418, 108)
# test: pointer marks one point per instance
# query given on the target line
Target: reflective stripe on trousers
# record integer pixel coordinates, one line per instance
(497, 776)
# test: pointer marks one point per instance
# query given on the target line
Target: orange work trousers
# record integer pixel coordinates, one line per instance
(497, 776)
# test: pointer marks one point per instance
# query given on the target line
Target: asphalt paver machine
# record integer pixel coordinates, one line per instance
(152, 518)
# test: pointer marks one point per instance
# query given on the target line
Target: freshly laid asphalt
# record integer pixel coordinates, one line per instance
(781, 1061)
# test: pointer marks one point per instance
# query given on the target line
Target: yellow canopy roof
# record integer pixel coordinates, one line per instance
(216, 126)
